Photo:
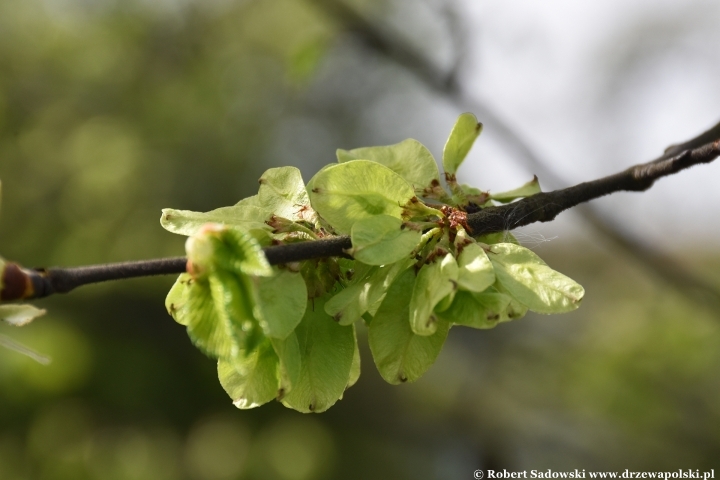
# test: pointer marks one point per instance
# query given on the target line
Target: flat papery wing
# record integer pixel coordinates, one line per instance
(462, 137)
(218, 312)
(355, 367)
(410, 159)
(290, 362)
(475, 195)
(531, 282)
(205, 328)
(348, 305)
(251, 201)
(282, 191)
(529, 189)
(251, 380)
(475, 272)
(347, 192)
(177, 298)
(187, 222)
(365, 293)
(515, 310)
(218, 247)
(381, 240)
(478, 310)
(327, 351)
(282, 299)
(235, 307)
(19, 314)
(497, 237)
(399, 354)
(434, 282)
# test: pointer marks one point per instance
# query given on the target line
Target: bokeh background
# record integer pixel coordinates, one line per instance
(111, 110)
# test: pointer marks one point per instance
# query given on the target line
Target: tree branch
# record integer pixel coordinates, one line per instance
(544, 207)
(18, 282)
(397, 50)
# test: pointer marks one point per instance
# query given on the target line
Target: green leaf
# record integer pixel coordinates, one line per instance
(347, 306)
(478, 310)
(514, 311)
(217, 302)
(531, 282)
(355, 367)
(381, 240)
(218, 311)
(461, 139)
(204, 327)
(497, 237)
(234, 307)
(216, 247)
(474, 195)
(252, 380)
(177, 297)
(410, 159)
(282, 299)
(399, 354)
(321, 276)
(186, 222)
(19, 314)
(530, 188)
(434, 282)
(365, 292)
(282, 192)
(327, 351)
(475, 270)
(345, 193)
(252, 201)
(288, 352)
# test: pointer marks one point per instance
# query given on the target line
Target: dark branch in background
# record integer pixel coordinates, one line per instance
(542, 207)
(395, 49)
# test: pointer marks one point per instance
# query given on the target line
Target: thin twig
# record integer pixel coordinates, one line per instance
(397, 50)
(542, 207)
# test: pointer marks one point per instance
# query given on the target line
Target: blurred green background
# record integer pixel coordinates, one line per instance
(110, 111)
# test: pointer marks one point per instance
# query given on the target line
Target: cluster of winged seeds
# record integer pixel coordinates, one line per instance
(287, 332)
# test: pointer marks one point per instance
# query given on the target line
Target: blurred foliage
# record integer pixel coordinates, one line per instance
(110, 111)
